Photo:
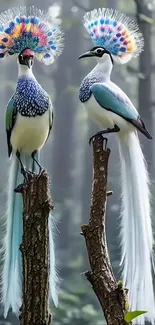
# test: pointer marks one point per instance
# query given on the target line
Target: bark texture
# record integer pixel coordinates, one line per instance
(111, 296)
(35, 250)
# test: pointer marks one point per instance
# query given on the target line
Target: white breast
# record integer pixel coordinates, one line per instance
(30, 133)
(104, 118)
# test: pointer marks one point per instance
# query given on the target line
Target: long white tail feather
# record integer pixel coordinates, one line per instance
(12, 227)
(11, 274)
(136, 229)
(53, 278)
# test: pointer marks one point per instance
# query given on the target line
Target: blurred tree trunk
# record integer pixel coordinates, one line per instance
(88, 128)
(145, 69)
(65, 107)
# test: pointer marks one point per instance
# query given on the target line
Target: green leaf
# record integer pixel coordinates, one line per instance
(130, 315)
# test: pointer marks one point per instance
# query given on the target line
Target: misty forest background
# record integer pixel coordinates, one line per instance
(67, 155)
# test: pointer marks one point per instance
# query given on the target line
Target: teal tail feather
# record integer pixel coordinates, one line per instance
(11, 276)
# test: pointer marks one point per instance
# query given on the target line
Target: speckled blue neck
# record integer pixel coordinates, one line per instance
(30, 98)
(100, 73)
(84, 91)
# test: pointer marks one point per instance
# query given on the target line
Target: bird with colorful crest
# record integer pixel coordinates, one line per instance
(116, 38)
(26, 33)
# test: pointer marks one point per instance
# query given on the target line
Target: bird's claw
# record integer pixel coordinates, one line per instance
(26, 173)
(105, 141)
(96, 134)
(91, 139)
(113, 130)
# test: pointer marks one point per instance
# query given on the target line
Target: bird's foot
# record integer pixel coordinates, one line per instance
(114, 129)
(26, 173)
(41, 169)
(37, 162)
(40, 172)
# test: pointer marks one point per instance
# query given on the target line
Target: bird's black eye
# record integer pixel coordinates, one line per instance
(99, 51)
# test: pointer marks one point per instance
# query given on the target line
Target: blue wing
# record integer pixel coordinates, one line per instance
(115, 100)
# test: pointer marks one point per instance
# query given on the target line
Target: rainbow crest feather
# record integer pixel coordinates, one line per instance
(114, 31)
(32, 28)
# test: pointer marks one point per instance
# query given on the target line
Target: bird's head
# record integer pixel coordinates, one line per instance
(26, 58)
(98, 52)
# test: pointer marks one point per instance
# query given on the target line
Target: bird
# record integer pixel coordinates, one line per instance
(117, 39)
(29, 34)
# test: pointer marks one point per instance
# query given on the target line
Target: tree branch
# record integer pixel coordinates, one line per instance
(35, 250)
(111, 296)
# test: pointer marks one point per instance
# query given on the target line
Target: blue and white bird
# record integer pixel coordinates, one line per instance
(28, 33)
(117, 39)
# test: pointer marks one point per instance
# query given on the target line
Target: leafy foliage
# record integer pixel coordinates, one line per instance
(78, 304)
(75, 308)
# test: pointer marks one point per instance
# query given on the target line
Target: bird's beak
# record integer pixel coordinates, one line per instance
(28, 62)
(86, 55)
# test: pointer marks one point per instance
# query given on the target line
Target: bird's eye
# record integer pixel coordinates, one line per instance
(99, 51)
